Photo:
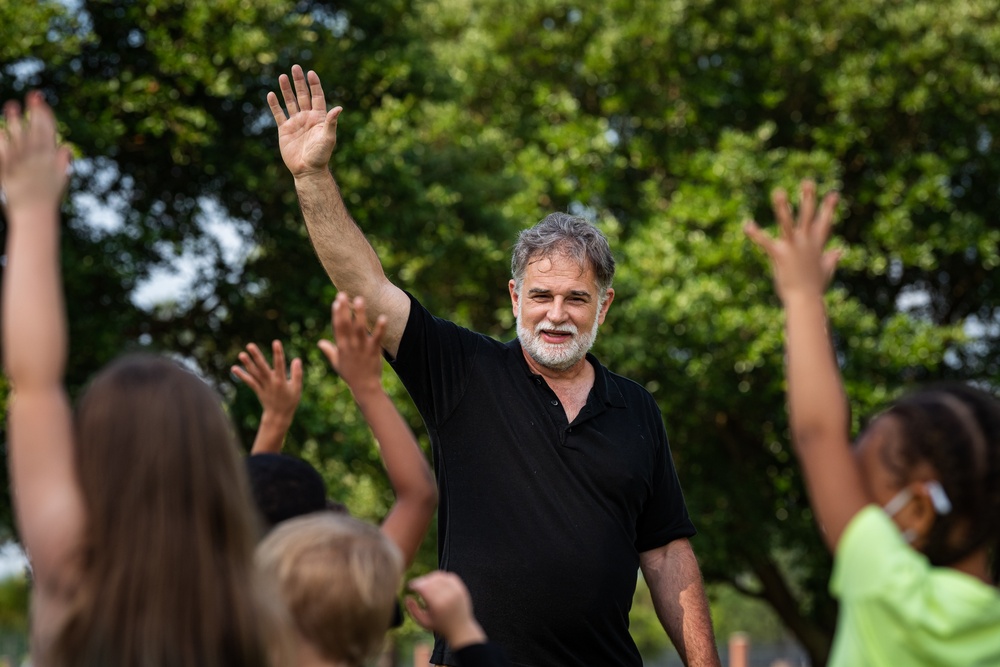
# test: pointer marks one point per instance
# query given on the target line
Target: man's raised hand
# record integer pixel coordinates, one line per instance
(307, 134)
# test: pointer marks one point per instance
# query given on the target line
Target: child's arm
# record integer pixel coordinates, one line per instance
(816, 400)
(357, 357)
(278, 394)
(46, 491)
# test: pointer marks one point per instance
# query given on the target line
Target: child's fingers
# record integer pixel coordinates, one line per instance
(253, 359)
(42, 128)
(296, 374)
(378, 331)
(278, 353)
(250, 371)
(12, 114)
(418, 613)
(248, 363)
(807, 203)
(246, 378)
(758, 236)
(360, 321)
(63, 159)
(829, 263)
(827, 211)
(331, 352)
(783, 212)
(341, 317)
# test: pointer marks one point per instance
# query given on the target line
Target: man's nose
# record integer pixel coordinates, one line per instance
(557, 310)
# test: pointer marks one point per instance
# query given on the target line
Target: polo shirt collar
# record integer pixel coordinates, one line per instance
(605, 388)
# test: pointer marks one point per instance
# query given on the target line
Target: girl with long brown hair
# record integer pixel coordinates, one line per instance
(135, 515)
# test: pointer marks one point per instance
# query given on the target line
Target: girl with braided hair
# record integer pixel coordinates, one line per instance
(912, 514)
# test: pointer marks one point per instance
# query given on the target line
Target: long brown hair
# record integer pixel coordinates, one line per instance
(167, 560)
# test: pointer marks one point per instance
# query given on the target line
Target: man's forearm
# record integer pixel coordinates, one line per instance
(348, 258)
(345, 253)
(675, 583)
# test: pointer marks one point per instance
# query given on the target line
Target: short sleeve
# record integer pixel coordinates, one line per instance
(665, 517)
(433, 362)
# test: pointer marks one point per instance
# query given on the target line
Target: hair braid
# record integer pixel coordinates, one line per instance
(956, 428)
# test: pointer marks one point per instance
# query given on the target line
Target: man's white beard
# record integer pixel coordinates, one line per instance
(559, 356)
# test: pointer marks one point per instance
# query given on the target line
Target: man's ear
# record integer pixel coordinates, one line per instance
(514, 296)
(609, 296)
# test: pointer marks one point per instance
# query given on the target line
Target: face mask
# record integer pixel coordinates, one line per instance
(939, 500)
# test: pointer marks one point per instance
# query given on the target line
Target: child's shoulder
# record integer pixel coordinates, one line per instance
(874, 556)
(918, 608)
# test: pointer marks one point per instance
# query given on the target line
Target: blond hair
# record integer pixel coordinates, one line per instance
(339, 578)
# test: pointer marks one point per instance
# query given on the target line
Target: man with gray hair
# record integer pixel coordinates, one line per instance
(555, 476)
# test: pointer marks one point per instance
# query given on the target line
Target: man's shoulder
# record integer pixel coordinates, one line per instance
(452, 340)
(631, 391)
(418, 311)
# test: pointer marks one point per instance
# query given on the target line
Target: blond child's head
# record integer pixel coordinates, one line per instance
(339, 578)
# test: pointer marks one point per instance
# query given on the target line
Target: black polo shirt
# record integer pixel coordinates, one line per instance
(543, 519)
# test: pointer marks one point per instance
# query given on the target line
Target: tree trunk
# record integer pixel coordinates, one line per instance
(816, 638)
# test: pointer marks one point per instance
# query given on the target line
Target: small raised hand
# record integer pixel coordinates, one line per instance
(278, 392)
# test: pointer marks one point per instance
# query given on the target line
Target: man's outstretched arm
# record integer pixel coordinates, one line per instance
(674, 580)
(307, 135)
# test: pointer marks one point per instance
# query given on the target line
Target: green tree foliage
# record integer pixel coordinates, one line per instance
(670, 122)
(667, 121)
(14, 603)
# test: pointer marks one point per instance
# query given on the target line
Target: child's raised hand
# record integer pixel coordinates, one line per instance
(797, 257)
(447, 608)
(33, 167)
(357, 356)
(276, 389)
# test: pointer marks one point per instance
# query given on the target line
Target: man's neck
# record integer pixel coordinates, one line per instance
(580, 372)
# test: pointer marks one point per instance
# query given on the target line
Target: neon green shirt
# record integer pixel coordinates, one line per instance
(897, 610)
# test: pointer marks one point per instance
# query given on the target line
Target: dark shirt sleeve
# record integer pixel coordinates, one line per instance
(665, 516)
(481, 655)
(433, 362)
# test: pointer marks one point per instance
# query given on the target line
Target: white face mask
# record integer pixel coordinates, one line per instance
(939, 499)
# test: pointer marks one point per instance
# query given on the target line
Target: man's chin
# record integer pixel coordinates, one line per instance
(555, 363)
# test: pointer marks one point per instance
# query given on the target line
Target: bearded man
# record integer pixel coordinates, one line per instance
(555, 477)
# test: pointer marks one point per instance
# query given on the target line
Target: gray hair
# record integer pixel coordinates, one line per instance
(570, 235)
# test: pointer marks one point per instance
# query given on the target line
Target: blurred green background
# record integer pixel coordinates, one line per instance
(667, 122)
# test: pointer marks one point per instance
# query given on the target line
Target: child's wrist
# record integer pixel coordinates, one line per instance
(367, 389)
(801, 295)
(467, 633)
(28, 213)
(272, 418)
